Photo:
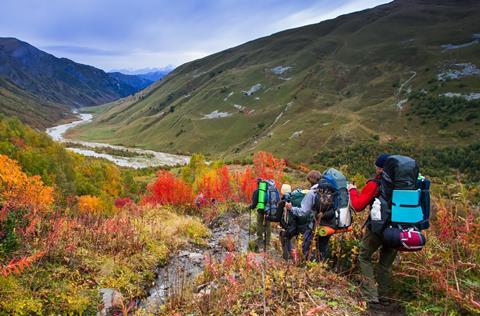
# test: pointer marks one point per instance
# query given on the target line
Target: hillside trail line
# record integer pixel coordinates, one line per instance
(414, 73)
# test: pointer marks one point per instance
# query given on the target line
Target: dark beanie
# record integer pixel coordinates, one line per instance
(380, 162)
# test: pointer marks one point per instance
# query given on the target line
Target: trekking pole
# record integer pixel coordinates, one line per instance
(249, 225)
(265, 232)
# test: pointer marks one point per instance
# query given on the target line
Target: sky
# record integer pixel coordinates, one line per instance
(137, 34)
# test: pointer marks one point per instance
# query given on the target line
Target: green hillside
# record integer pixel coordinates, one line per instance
(379, 74)
(29, 108)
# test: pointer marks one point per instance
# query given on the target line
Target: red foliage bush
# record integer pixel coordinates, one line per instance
(122, 202)
(266, 166)
(168, 189)
(215, 185)
(246, 183)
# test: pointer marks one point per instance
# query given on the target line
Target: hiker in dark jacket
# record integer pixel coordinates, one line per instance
(377, 297)
(325, 216)
(263, 227)
(307, 211)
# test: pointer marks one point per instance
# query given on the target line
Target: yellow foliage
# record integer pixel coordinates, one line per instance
(88, 204)
(21, 191)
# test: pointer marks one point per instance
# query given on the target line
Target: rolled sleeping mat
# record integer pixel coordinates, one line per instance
(262, 194)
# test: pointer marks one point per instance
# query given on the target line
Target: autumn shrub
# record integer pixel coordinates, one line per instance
(254, 284)
(123, 202)
(267, 166)
(88, 204)
(216, 185)
(24, 200)
(168, 189)
(195, 168)
(19, 191)
(245, 183)
(445, 273)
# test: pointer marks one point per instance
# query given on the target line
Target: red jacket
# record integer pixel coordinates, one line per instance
(359, 201)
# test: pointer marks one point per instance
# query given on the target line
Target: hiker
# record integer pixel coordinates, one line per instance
(377, 297)
(307, 212)
(263, 228)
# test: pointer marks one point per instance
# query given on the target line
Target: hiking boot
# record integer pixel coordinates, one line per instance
(376, 309)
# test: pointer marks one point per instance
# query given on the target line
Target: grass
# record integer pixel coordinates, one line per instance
(71, 283)
(340, 78)
(30, 108)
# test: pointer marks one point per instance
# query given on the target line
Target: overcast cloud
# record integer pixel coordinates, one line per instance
(115, 34)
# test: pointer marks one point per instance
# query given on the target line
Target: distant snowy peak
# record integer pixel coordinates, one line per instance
(143, 71)
(150, 74)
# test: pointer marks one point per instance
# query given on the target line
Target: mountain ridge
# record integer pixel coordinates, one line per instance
(62, 80)
(334, 83)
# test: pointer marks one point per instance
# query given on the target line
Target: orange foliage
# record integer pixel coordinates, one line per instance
(266, 166)
(215, 184)
(21, 191)
(16, 266)
(167, 189)
(88, 204)
(246, 183)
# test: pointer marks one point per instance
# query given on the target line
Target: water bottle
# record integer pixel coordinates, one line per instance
(375, 213)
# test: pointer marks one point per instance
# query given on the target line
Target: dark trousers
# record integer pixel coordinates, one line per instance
(370, 244)
(286, 239)
(322, 247)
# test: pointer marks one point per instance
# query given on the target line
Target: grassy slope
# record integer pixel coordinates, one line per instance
(344, 86)
(32, 110)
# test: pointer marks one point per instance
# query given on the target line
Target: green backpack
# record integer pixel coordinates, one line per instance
(296, 197)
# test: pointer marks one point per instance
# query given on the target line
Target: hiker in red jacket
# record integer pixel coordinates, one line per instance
(377, 297)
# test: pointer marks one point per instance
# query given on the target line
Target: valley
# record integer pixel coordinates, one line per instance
(328, 85)
(132, 157)
(130, 191)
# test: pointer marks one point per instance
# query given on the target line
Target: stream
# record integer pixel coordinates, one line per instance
(185, 265)
(137, 158)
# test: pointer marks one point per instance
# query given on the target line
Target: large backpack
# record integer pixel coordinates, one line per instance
(268, 199)
(293, 224)
(404, 204)
(332, 199)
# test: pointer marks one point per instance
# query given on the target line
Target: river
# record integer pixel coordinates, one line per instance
(141, 158)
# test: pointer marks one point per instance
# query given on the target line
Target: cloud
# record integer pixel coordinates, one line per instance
(154, 33)
(81, 50)
(319, 13)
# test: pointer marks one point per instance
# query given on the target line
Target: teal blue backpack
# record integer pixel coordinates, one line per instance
(404, 196)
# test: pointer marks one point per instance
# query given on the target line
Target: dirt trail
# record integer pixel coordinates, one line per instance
(184, 266)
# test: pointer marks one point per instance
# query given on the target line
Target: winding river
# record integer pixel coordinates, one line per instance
(140, 158)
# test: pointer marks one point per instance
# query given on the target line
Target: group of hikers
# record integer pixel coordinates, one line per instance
(398, 198)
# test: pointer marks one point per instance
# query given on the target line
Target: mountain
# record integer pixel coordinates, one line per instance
(137, 81)
(59, 80)
(155, 75)
(151, 74)
(405, 71)
(36, 112)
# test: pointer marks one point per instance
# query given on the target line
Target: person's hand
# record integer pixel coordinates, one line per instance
(288, 206)
(351, 186)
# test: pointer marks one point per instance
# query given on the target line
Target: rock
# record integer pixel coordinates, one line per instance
(110, 298)
(196, 257)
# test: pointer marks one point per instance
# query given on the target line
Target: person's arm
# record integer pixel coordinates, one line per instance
(359, 201)
(306, 205)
